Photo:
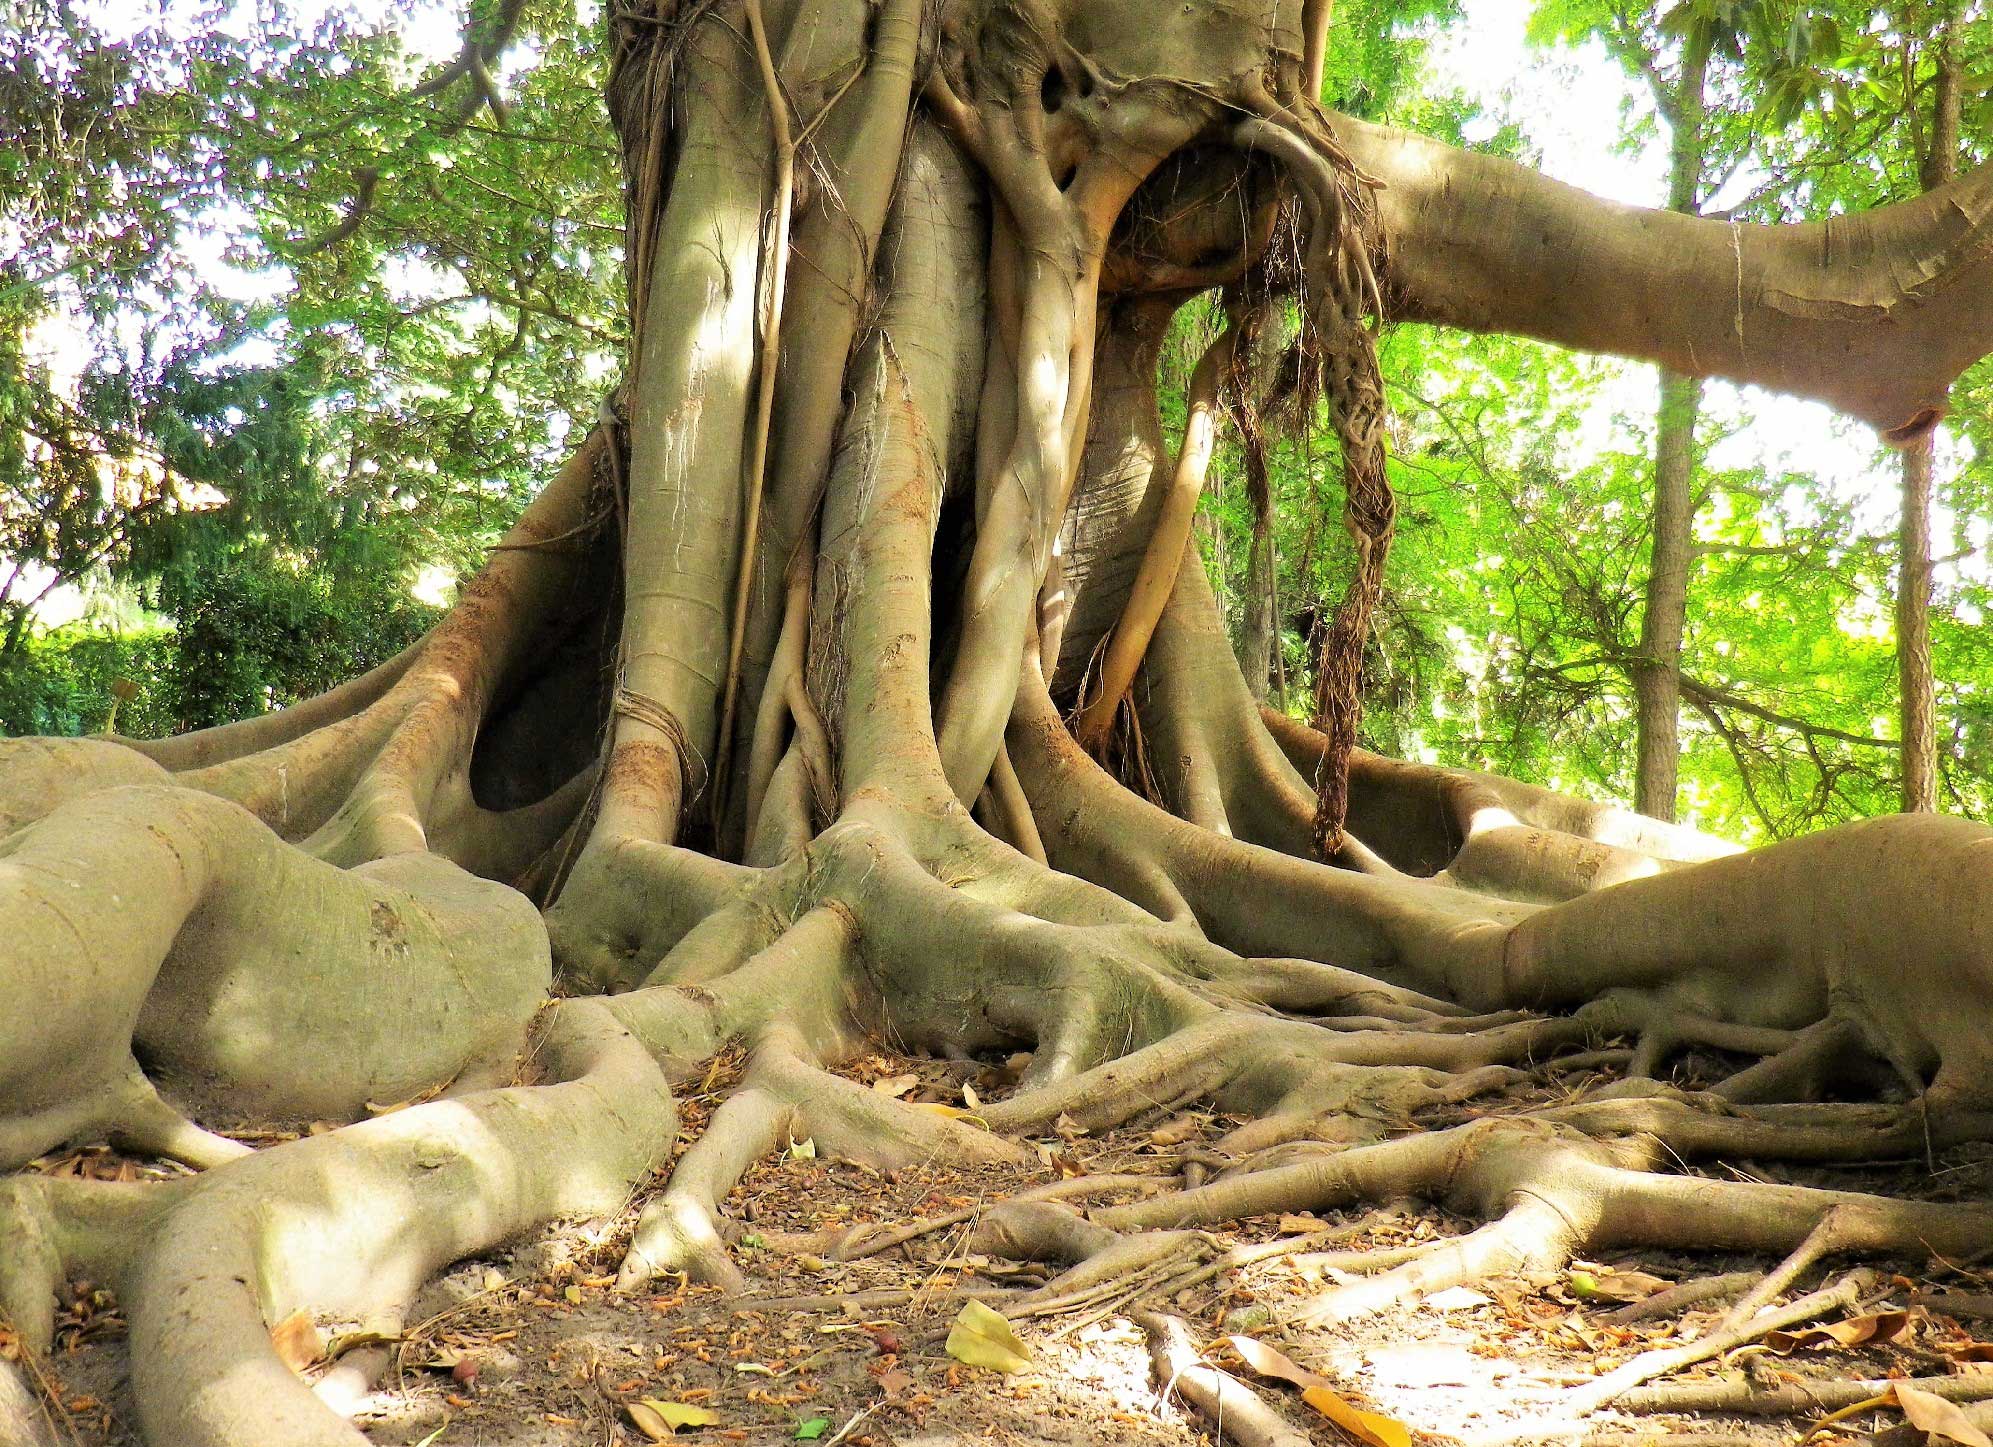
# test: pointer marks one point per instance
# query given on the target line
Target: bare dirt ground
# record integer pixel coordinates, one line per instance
(534, 1349)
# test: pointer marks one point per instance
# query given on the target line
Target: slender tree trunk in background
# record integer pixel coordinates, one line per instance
(1918, 708)
(1257, 628)
(1657, 681)
(312, 911)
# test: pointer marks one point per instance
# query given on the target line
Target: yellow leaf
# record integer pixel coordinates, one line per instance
(982, 1337)
(953, 1112)
(1928, 1412)
(1367, 1427)
(660, 1420)
(297, 1341)
(573, 1295)
(1878, 1326)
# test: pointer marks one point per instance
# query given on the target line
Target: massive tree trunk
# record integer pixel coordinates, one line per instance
(768, 694)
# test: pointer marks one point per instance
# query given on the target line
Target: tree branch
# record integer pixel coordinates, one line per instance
(1876, 313)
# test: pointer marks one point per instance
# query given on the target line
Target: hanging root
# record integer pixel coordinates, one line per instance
(737, 740)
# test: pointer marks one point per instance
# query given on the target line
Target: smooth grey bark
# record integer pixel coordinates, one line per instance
(1875, 313)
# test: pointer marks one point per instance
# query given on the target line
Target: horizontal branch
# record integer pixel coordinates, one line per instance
(1876, 313)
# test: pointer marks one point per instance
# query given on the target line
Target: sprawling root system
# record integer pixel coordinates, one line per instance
(855, 682)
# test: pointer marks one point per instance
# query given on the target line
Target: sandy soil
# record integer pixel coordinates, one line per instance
(533, 1349)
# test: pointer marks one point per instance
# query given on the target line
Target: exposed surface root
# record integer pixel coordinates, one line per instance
(764, 702)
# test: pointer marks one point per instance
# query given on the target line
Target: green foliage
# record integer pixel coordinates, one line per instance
(281, 300)
(254, 635)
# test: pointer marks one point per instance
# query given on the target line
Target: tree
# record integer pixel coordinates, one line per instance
(1680, 51)
(212, 369)
(1937, 163)
(766, 692)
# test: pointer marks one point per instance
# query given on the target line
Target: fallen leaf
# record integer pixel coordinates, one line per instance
(984, 1337)
(1972, 1351)
(1880, 1326)
(1302, 1225)
(1066, 1128)
(1176, 1132)
(811, 1430)
(297, 1341)
(573, 1295)
(659, 1421)
(969, 1096)
(953, 1112)
(1928, 1412)
(893, 1383)
(1370, 1428)
(804, 1149)
(895, 1086)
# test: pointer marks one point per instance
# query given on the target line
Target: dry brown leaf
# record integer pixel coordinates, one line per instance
(297, 1341)
(1272, 1362)
(1878, 1326)
(1291, 1225)
(895, 1086)
(1928, 1412)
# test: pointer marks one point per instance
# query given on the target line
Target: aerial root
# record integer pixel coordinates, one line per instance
(1234, 1408)
(785, 1099)
(33, 1409)
(205, 1264)
(1536, 1234)
(1800, 1070)
(1660, 1030)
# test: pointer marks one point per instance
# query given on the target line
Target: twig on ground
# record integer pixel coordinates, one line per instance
(1683, 1295)
(1659, 1362)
